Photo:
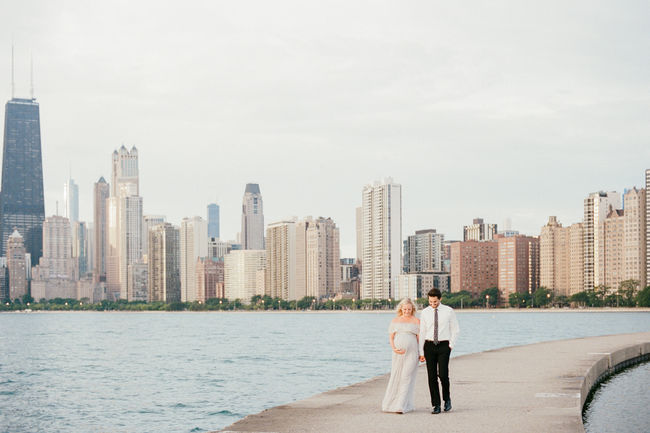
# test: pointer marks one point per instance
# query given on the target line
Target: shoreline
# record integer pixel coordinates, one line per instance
(458, 311)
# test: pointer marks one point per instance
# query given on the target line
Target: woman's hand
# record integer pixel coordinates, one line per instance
(399, 351)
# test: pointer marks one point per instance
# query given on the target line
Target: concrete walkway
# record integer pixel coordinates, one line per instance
(535, 388)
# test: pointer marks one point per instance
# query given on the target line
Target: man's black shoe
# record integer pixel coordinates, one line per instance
(447, 405)
(436, 409)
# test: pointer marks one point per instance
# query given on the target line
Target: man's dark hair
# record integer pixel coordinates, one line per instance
(436, 293)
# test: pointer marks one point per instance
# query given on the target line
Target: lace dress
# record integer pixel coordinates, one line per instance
(399, 395)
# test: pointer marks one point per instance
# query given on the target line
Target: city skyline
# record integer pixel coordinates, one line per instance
(526, 127)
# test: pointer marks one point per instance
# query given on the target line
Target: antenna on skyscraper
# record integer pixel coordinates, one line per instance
(13, 84)
(31, 73)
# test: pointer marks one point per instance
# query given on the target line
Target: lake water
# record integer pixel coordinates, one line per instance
(194, 372)
(621, 403)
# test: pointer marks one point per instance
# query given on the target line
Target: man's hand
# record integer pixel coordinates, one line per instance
(422, 359)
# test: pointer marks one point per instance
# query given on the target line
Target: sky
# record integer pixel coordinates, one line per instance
(505, 110)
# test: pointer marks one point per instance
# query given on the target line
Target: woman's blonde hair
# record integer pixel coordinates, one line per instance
(404, 302)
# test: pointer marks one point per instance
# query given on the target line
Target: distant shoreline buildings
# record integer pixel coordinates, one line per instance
(126, 254)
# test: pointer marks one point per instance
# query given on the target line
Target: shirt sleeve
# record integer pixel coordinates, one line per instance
(454, 329)
(423, 330)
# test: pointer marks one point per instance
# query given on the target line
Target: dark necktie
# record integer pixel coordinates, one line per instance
(435, 326)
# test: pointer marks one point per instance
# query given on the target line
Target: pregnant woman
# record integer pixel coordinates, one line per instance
(403, 332)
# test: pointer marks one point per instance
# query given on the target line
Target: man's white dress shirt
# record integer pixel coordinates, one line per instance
(447, 326)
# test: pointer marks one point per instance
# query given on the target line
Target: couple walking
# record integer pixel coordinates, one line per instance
(429, 339)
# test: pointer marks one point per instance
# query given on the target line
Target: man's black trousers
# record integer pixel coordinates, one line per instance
(437, 356)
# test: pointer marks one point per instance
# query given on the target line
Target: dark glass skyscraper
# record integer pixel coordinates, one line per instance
(21, 198)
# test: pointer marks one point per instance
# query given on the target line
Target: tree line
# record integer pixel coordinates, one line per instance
(627, 295)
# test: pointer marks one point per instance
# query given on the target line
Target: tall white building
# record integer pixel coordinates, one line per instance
(71, 200)
(242, 269)
(252, 219)
(124, 222)
(596, 207)
(381, 239)
(281, 272)
(194, 245)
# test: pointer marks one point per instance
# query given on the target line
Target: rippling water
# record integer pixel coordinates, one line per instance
(621, 404)
(194, 372)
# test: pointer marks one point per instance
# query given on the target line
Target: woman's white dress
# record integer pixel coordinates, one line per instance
(401, 386)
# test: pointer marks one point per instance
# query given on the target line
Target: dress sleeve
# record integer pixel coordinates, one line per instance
(391, 327)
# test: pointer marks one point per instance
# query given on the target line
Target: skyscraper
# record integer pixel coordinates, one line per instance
(213, 220)
(124, 221)
(71, 200)
(518, 265)
(16, 266)
(596, 207)
(647, 227)
(21, 199)
(57, 272)
(252, 219)
(164, 263)
(194, 244)
(242, 271)
(381, 239)
(101, 192)
(425, 251)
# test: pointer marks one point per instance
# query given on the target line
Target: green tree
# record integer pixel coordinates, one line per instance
(543, 297)
(643, 297)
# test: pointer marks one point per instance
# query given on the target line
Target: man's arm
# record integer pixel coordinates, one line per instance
(454, 329)
(423, 330)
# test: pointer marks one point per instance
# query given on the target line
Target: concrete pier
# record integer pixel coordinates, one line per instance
(535, 388)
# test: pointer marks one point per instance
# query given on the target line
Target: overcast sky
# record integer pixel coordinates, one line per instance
(479, 109)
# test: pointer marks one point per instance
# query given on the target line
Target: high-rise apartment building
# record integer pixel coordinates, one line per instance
(518, 265)
(22, 206)
(474, 266)
(561, 257)
(242, 279)
(16, 266)
(163, 259)
(479, 231)
(57, 272)
(596, 207)
(252, 219)
(71, 200)
(213, 220)
(323, 258)
(381, 239)
(358, 213)
(611, 234)
(209, 279)
(148, 222)
(425, 251)
(101, 193)
(194, 244)
(303, 258)
(622, 242)
(281, 272)
(647, 227)
(635, 236)
(138, 285)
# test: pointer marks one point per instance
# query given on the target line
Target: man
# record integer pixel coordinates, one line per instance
(438, 333)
